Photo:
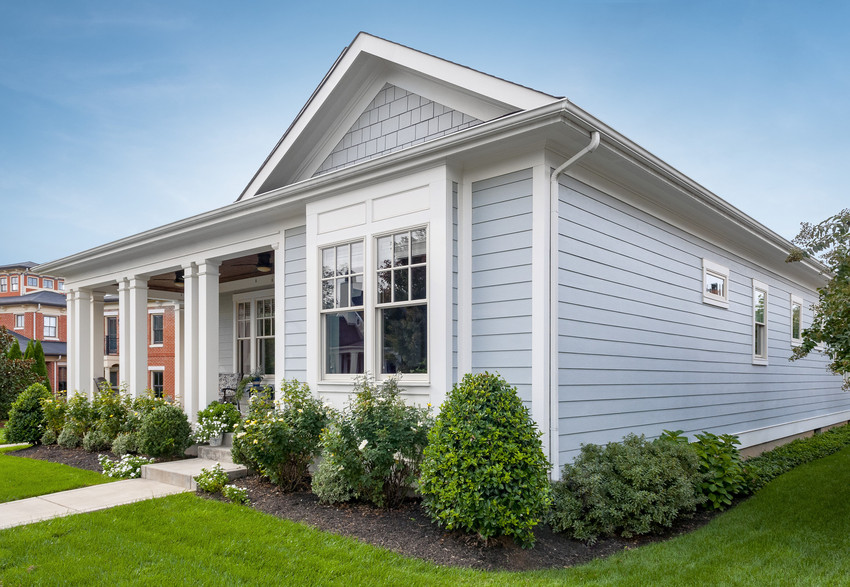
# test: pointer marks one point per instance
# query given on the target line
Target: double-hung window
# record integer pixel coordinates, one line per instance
(158, 383)
(796, 320)
(402, 302)
(760, 291)
(19, 321)
(157, 329)
(343, 317)
(255, 333)
(3, 284)
(51, 327)
(14, 281)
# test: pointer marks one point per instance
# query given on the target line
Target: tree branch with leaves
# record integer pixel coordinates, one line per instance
(829, 243)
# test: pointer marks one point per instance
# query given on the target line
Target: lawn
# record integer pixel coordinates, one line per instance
(21, 478)
(795, 531)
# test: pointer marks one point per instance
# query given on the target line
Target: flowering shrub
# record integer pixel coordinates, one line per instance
(111, 410)
(79, 414)
(165, 431)
(129, 467)
(26, 417)
(374, 450)
(260, 402)
(238, 495)
(281, 443)
(215, 420)
(212, 480)
(54, 409)
(484, 469)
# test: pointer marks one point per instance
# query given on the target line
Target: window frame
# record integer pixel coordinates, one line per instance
(710, 268)
(54, 328)
(3, 284)
(798, 340)
(250, 299)
(154, 329)
(22, 318)
(32, 281)
(360, 309)
(379, 307)
(760, 336)
(47, 283)
(14, 283)
(60, 285)
(157, 371)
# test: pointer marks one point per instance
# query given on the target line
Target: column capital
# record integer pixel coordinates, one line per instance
(208, 268)
(190, 269)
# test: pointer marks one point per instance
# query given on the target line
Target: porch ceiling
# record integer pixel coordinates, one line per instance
(229, 270)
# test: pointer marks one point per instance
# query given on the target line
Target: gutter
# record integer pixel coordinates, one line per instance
(552, 271)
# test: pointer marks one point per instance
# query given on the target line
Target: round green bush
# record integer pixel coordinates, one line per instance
(125, 443)
(484, 470)
(70, 436)
(165, 431)
(26, 417)
(49, 437)
(96, 440)
(631, 487)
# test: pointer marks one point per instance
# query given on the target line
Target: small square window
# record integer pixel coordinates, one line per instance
(715, 284)
(32, 281)
(48, 283)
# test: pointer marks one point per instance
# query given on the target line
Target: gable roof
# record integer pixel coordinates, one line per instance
(355, 81)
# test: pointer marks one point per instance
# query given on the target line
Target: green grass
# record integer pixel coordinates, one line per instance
(21, 478)
(796, 531)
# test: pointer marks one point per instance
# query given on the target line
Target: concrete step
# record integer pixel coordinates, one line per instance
(215, 453)
(182, 473)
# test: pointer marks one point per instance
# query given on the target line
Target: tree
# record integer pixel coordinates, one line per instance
(40, 364)
(15, 374)
(29, 352)
(14, 351)
(829, 243)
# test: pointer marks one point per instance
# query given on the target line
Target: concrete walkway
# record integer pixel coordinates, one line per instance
(84, 499)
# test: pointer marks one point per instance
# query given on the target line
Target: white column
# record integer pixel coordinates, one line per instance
(82, 327)
(124, 332)
(541, 256)
(190, 341)
(178, 354)
(71, 335)
(138, 337)
(207, 332)
(279, 321)
(96, 329)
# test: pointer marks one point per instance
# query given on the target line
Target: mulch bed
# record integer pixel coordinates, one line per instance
(407, 529)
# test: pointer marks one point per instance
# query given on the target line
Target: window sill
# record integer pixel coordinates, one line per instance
(715, 302)
(155, 346)
(758, 361)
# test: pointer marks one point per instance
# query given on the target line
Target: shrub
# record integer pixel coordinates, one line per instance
(80, 414)
(721, 465)
(626, 488)
(16, 373)
(375, 450)
(125, 443)
(165, 431)
(96, 440)
(282, 443)
(771, 464)
(70, 437)
(147, 403)
(111, 410)
(260, 402)
(26, 417)
(212, 480)
(484, 469)
(215, 420)
(128, 467)
(54, 409)
(49, 437)
(238, 495)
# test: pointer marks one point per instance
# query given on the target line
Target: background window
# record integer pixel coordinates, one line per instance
(157, 334)
(158, 383)
(255, 336)
(342, 308)
(19, 321)
(48, 283)
(32, 281)
(50, 327)
(60, 285)
(402, 290)
(14, 282)
(3, 284)
(759, 322)
(265, 335)
(243, 338)
(796, 320)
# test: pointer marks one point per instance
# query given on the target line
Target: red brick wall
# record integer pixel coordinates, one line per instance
(163, 356)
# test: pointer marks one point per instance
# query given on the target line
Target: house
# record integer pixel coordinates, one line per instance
(422, 218)
(18, 279)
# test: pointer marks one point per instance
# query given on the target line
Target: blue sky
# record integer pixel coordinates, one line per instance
(116, 117)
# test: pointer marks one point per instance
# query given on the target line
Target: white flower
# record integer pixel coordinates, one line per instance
(363, 444)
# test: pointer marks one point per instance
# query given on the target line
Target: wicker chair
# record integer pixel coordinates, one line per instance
(227, 385)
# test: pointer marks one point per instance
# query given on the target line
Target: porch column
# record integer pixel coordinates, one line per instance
(71, 336)
(207, 332)
(138, 339)
(97, 342)
(178, 354)
(82, 331)
(124, 333)
(279, 316)
(190, 341)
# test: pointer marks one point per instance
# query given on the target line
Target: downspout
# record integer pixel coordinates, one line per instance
(554, 217)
